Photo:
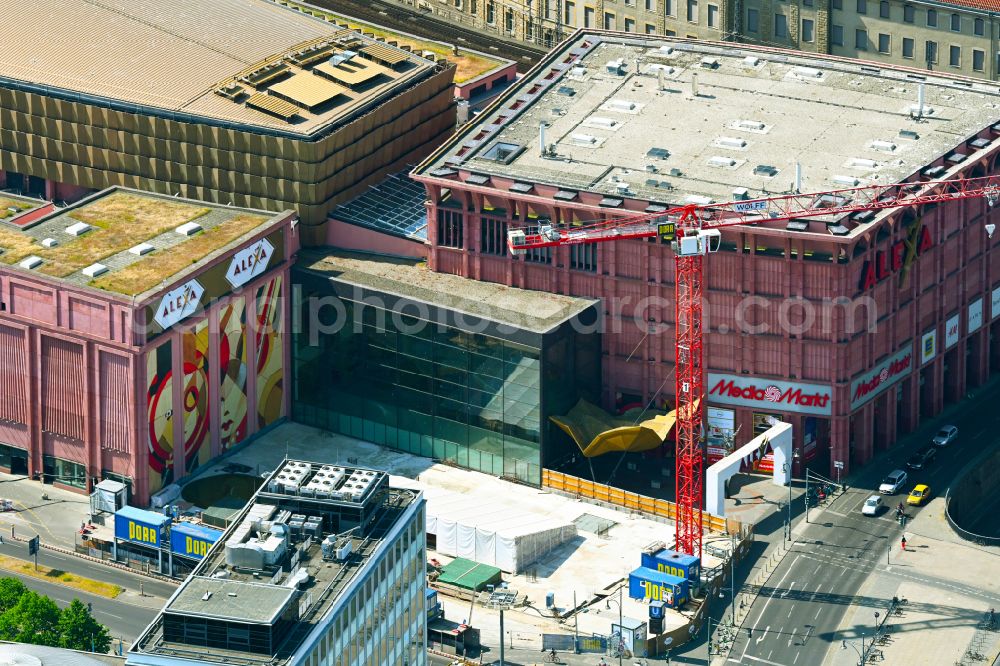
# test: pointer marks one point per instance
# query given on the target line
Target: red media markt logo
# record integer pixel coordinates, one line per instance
(772, 393)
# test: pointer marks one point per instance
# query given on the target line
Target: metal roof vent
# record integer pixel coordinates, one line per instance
(666, 50)
(749, 126)
(807, 73)
(31, 263)
(709, 63)
(94, 270)
(188, 229)
(602, 123)
(765, 170)
(141, 249)
(49, 242)
(724, 162)
(78, 229)
(698, 199)
(621, 105)
(751, 61)
(735, 143)
(862, 163)
(908, 134)
(588, 140)
(883, 146)
(849, 181)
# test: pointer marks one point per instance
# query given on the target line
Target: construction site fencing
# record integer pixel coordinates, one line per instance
(651, 506)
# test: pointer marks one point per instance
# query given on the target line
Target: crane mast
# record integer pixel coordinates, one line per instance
(693, 232)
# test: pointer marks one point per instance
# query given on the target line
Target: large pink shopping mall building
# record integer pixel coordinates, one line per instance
(852, 328)
(140, 335)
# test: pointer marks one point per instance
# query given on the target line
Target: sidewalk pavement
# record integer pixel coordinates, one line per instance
(55, 519)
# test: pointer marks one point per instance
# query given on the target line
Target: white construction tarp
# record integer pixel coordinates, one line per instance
(497, 536)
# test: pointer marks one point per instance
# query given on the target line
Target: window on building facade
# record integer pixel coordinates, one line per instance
(807, 3)
(449, 228)
(583, 257)
(979, 27)
(930, 52)
(458, 4)
(692, 11)
(931, 18)
(508, 20)
(978, 60)
(670, 7)
(671, 33)
(538, 255)
(808, 31)
(609, 21)
(753, 20)
(908, 13)
(883, 9)
(837, 35)
(473, 7)
(907, 47)
(570, 14)
(650, 29)
(861, 40)
(588, 17)
(491, 12)
(862, 6)
(883, 43)
(529, 28)
(837, 4)
(781, 26)
(713, 16)
(956, 23)
(955, 56)
(629, 24)
(650, 5)
(493, 236)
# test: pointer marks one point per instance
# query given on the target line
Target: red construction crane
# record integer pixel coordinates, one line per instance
(693, 231)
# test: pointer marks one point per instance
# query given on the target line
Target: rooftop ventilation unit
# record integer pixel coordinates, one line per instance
(31, 263)
(621, 105)
(751, 61)
(861, 163)
(908, 134)
(731, 142)
(749, 125)
(849, 181)
(49, 242)
(78, 229)
(584, 139)
(709, 63)
(658, 153)
(578, 72)
(603, 123)
(698, 199)
(666, 50)
(765, 170)
(189, 229)
(719, 161)
(656, 67)
(883, 146)
(807, 73)
(616, 67)
(141, 249)
(94, 270)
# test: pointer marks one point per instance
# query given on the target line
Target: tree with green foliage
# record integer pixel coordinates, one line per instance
(33, 619)
(11, 589)
(78, 630)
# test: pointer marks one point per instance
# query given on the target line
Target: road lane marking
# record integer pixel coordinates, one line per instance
(817, 613)
(796, 660)
(818, 567)
(760, 615)
(790, 610)
(792, 637)
(790, 586)
(761, 637)
(763, 661)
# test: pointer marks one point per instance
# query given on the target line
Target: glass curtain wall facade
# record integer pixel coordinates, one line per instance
(423, 387)
(383, 620)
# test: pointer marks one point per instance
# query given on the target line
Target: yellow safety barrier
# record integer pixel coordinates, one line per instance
(578, 487)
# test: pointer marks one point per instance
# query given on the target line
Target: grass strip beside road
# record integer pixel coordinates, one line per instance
(26, 568)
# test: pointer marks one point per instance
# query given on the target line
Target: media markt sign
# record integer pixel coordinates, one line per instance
(179, 303)
(249, 262)
(770, 394)
(882, 376)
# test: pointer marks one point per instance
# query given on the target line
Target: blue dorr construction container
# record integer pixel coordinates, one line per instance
(673, 563)
(651, 585)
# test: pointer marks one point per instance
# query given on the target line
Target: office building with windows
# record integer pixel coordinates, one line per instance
(954, 36)
(439, 365)
(326, 566)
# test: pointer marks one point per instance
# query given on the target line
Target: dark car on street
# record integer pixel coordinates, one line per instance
(922, 458)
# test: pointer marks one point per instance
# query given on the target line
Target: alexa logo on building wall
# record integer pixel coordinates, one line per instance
(179, 303)
(882, 376)
(772, 394)
(898, 259)
(249, 262)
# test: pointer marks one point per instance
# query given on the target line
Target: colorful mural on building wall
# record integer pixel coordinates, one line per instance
(270, 354)
(232, 374)
(160, 416)
(197, 448)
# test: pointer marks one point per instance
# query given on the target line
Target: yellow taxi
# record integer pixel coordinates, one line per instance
(919, 495)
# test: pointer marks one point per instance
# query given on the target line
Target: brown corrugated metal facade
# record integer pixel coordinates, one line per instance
(57, 143)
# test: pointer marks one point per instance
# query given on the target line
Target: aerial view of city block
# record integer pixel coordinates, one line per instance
(500, 332)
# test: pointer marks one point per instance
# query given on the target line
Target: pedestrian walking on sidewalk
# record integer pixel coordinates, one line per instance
(903, 543)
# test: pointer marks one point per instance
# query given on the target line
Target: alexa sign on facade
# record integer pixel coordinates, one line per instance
(249, 262)
(770, 394)
(179, 303)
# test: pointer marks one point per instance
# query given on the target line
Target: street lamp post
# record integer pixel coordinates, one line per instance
(621, 630)
(843, 646)
(732, 578)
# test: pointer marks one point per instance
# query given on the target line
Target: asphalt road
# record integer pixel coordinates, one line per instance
(795, 618)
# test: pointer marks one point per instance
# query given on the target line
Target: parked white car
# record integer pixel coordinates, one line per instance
(892, 483)
(946, 435)
(872, 505)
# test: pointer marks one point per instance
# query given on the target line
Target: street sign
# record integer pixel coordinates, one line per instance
(839, 464)
(33, 546)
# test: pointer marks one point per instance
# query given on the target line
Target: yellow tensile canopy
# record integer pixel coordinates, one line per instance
(596, 432)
